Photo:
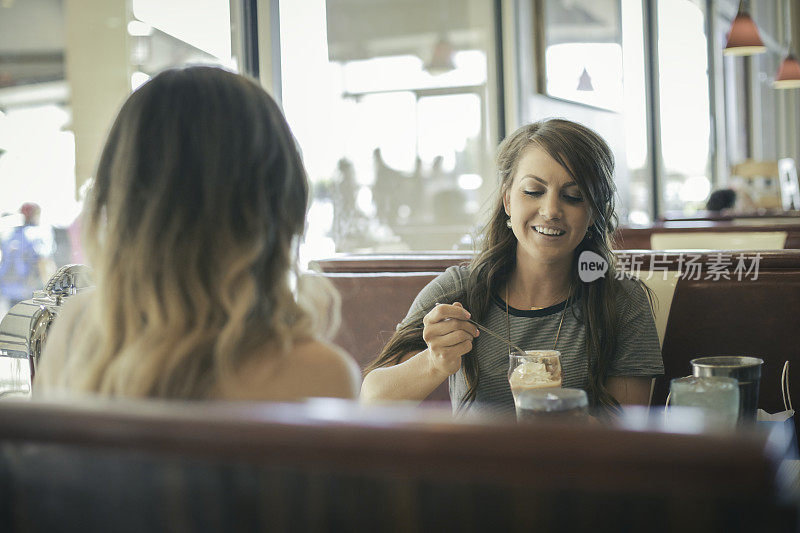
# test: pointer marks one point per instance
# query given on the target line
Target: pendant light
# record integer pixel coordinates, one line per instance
(743, 39)
(788, 76)
(443, 51)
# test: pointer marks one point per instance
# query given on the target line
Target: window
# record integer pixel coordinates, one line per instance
(65, 68)
(685, 126)
(393, 105)
(608, 41)
(583, 52)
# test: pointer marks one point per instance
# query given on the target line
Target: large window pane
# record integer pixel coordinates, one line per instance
(639, 201)
(683, 91)
(391, 103)
(606, 39)
(583, 51)
(65, 68)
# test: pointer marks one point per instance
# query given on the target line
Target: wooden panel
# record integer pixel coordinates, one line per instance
(639, 237)
(731, 240)
(435, 263)
(338, 467)
(755, 169)
(776, 215)
(352, 263)
(756, 318)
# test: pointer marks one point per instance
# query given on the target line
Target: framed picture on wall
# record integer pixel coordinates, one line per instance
(580, 51)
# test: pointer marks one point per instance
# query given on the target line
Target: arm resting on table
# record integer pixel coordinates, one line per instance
(630, 390)
(413, 379)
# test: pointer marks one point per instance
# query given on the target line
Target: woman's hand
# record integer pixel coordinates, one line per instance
(448, 336)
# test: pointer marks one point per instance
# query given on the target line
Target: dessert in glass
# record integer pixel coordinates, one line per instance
(533, 370)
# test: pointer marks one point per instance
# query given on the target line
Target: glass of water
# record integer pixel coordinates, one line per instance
(552, 404)
(717, 397)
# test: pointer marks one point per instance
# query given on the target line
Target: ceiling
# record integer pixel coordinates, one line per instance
(362, 29)
(31, 52)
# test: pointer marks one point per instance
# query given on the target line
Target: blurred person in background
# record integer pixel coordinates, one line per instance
(26, 262)
(191, 228)
(721, 199)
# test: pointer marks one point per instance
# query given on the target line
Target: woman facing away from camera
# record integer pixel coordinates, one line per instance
(191, 229)
(555, 201)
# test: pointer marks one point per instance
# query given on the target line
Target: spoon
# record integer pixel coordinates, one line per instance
(496, 335)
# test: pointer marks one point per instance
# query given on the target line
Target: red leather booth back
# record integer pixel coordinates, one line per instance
(176, 466)
(755, 316)
(759, 318)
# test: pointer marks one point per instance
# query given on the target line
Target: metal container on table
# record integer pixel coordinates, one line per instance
(24, 329)
(746, 370)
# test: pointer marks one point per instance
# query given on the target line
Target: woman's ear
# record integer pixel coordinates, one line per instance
(507, 202)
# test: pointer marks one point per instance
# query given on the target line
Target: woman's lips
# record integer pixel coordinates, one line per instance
(546, 231)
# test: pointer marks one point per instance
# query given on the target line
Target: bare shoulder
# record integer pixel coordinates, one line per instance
(67, 321)
(311, 369)
(60, 338)
(329, 370)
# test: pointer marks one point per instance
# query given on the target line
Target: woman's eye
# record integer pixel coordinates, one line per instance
(535, 194)
(573, 199)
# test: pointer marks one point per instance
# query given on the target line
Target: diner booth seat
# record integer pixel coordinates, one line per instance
(733, 234)
(753, 316)
(155, 467)
(734, 240)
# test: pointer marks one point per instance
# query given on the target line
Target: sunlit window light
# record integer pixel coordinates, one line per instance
(470, 182)
(137, 28)
(566, 63)
(138, 79)
(695, 189)
(391, 73)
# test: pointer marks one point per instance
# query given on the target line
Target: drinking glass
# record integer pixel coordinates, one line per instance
(533, 370)
(717, 397)
(745, 370)
(563, 405)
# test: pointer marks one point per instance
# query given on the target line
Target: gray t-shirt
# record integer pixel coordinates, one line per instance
(638, 351)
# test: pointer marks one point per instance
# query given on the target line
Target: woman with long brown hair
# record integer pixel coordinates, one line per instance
(555, 201)
(191, 228)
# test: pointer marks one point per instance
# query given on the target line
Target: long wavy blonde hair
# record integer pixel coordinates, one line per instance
(191, 228)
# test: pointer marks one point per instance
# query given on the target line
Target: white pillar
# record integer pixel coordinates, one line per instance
(98, 72)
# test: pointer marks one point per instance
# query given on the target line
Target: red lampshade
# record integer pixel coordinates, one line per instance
(744, 39)
(788, 74)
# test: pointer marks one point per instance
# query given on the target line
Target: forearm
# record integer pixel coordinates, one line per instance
(411, 380)
(630, 390)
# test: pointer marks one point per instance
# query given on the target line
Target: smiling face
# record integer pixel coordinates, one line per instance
(549, 214)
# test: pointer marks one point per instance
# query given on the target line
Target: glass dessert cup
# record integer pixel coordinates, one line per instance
(533, 370)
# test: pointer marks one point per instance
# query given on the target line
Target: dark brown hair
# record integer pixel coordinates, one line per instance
(590, 162)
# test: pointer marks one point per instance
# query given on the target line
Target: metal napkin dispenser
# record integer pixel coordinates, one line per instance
(23, 331)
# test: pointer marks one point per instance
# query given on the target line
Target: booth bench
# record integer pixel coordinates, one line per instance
(333, 466)
(705, 306)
